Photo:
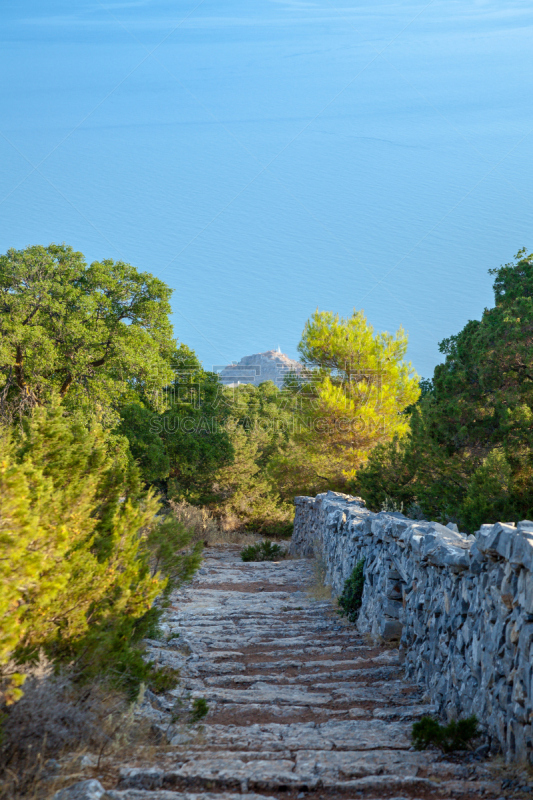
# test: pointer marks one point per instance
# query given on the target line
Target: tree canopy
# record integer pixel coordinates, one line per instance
(353, 394)
(469, 453)
(99, 332)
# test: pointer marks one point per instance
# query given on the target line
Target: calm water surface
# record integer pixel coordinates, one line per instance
(266, 157)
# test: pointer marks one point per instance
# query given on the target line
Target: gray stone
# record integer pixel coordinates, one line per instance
(390, 629)
(499, 540)
(392, 608)
(522, 550)
(84, 790)
(163, 794)
(139, 778)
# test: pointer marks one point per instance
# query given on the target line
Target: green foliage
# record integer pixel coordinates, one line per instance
(258, 423)
(179, 439)
(112, 651)
(351, 400)
(94, 335)
(487, 495)
(280, 530)
(193, 430)
(139, 425)
(457, 735)
(352, 594)
(168, 547)
(200, 709)
(84, 349)
(263, 551)
(159, 679)
(246, 451)
(115, 649)
(468, 456)
(83, 558)
(52, 477)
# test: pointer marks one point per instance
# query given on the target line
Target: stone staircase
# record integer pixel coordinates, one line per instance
(300, 705)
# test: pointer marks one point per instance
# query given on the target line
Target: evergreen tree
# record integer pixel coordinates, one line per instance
(259, 425)
(468, 455)
(352, 398)
(77, 573)
(93, 335)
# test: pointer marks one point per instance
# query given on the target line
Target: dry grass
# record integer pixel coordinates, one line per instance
(520, 772)
(203, 526)
(207, 529)
(57, 721)
(241, 538)
(318, 588)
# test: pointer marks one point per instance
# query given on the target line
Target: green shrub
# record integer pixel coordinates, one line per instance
(352, 594)
(263, 551)
(84, 556)
(454, 736)
(96, 335)
(139, 425)
(162, 679)
(279, 530)
(199, 709)
(169, 553)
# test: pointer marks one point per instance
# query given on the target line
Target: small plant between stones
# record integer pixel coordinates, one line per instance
(199, 709)
(185, 712)
(352, 595)
(454, 736)
(263, 551)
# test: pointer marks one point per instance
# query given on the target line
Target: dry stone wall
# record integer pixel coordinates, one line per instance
(461, 607)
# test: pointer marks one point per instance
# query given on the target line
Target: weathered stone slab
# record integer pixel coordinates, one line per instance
(83, 790)
(347, 765)
(141, 794)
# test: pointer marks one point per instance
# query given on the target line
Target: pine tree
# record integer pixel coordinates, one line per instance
(75, 562)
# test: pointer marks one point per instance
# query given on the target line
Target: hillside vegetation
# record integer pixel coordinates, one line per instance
(121, 456)
(467, 455)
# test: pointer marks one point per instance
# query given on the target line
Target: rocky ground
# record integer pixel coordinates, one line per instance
(300, 705)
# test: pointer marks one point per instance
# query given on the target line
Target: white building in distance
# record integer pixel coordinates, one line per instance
(258, 368)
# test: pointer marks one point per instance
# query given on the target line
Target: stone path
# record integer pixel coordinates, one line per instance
(300, 706)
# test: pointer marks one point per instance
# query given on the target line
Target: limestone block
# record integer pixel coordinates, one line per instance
(527, 595)
(522, 549)
(392, 608)
(445, 555)
(390, 629)
(84, 790)
(525, 525)
(525, 639)
(499, 540)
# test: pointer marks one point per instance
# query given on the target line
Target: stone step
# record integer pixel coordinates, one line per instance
(311, 772)
(311, 677)
(142, 794)
(353, 735)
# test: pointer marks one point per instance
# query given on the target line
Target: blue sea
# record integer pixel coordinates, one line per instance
(269, 157)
